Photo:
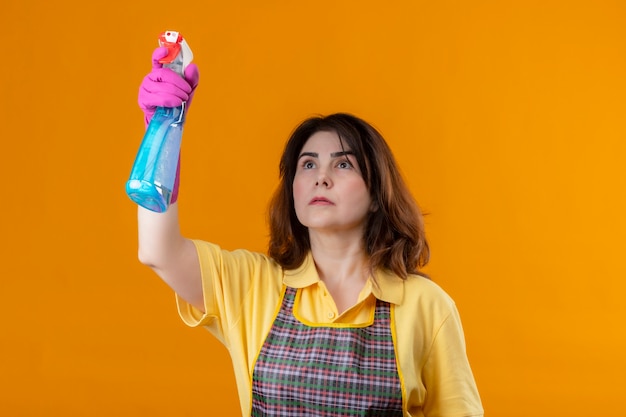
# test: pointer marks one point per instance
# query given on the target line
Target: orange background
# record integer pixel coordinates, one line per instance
(507, 118)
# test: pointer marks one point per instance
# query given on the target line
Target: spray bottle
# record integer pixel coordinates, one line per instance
(153, 174)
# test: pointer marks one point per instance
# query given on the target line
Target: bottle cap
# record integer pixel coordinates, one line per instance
(175, 44)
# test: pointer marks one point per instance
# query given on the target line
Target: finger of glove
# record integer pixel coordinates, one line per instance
(163, 88)
(157, 55)
(162, 96)
(167, 77)
(192, 75)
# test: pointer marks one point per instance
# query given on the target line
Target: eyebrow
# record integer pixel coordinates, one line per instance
(332, 155)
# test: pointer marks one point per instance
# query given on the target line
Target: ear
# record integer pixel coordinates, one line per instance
(374, 207)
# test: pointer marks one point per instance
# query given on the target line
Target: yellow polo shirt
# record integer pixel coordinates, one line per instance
(242, 292)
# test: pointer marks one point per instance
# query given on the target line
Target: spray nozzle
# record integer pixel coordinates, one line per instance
(179, 54)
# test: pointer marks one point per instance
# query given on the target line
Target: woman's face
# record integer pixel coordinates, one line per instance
(329, 192)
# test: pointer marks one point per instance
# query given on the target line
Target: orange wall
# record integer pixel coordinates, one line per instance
(506, 116)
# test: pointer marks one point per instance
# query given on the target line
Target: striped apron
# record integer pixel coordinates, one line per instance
(325, 370)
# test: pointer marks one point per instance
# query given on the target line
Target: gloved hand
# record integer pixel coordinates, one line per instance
(162, 87)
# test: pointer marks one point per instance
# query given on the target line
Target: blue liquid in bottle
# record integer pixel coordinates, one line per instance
(154, 172)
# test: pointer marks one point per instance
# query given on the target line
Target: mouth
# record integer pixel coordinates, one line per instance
(320, 201)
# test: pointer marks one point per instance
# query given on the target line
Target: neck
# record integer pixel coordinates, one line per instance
(339, 260)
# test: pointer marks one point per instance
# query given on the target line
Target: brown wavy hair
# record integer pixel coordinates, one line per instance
(394, 235)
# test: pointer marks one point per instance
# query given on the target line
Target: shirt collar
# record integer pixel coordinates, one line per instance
(387, 286)
(302, 276)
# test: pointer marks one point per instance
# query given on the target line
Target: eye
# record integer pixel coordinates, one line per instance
(308, 164)
(344, 164)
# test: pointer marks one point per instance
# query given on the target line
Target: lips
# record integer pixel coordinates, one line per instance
(320, 201)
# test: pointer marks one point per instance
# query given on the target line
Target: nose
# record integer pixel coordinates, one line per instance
(323, 180)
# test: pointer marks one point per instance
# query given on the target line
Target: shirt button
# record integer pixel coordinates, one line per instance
(330, 314)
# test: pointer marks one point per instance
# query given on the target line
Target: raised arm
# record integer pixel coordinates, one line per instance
(161, 245)
(169, 254)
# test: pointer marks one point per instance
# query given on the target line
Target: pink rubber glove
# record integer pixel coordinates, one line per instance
(162, 87)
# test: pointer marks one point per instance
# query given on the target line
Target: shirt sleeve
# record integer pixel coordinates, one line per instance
(450, 386)
(227, 277)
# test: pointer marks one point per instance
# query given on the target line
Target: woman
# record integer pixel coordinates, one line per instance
(337, 319)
